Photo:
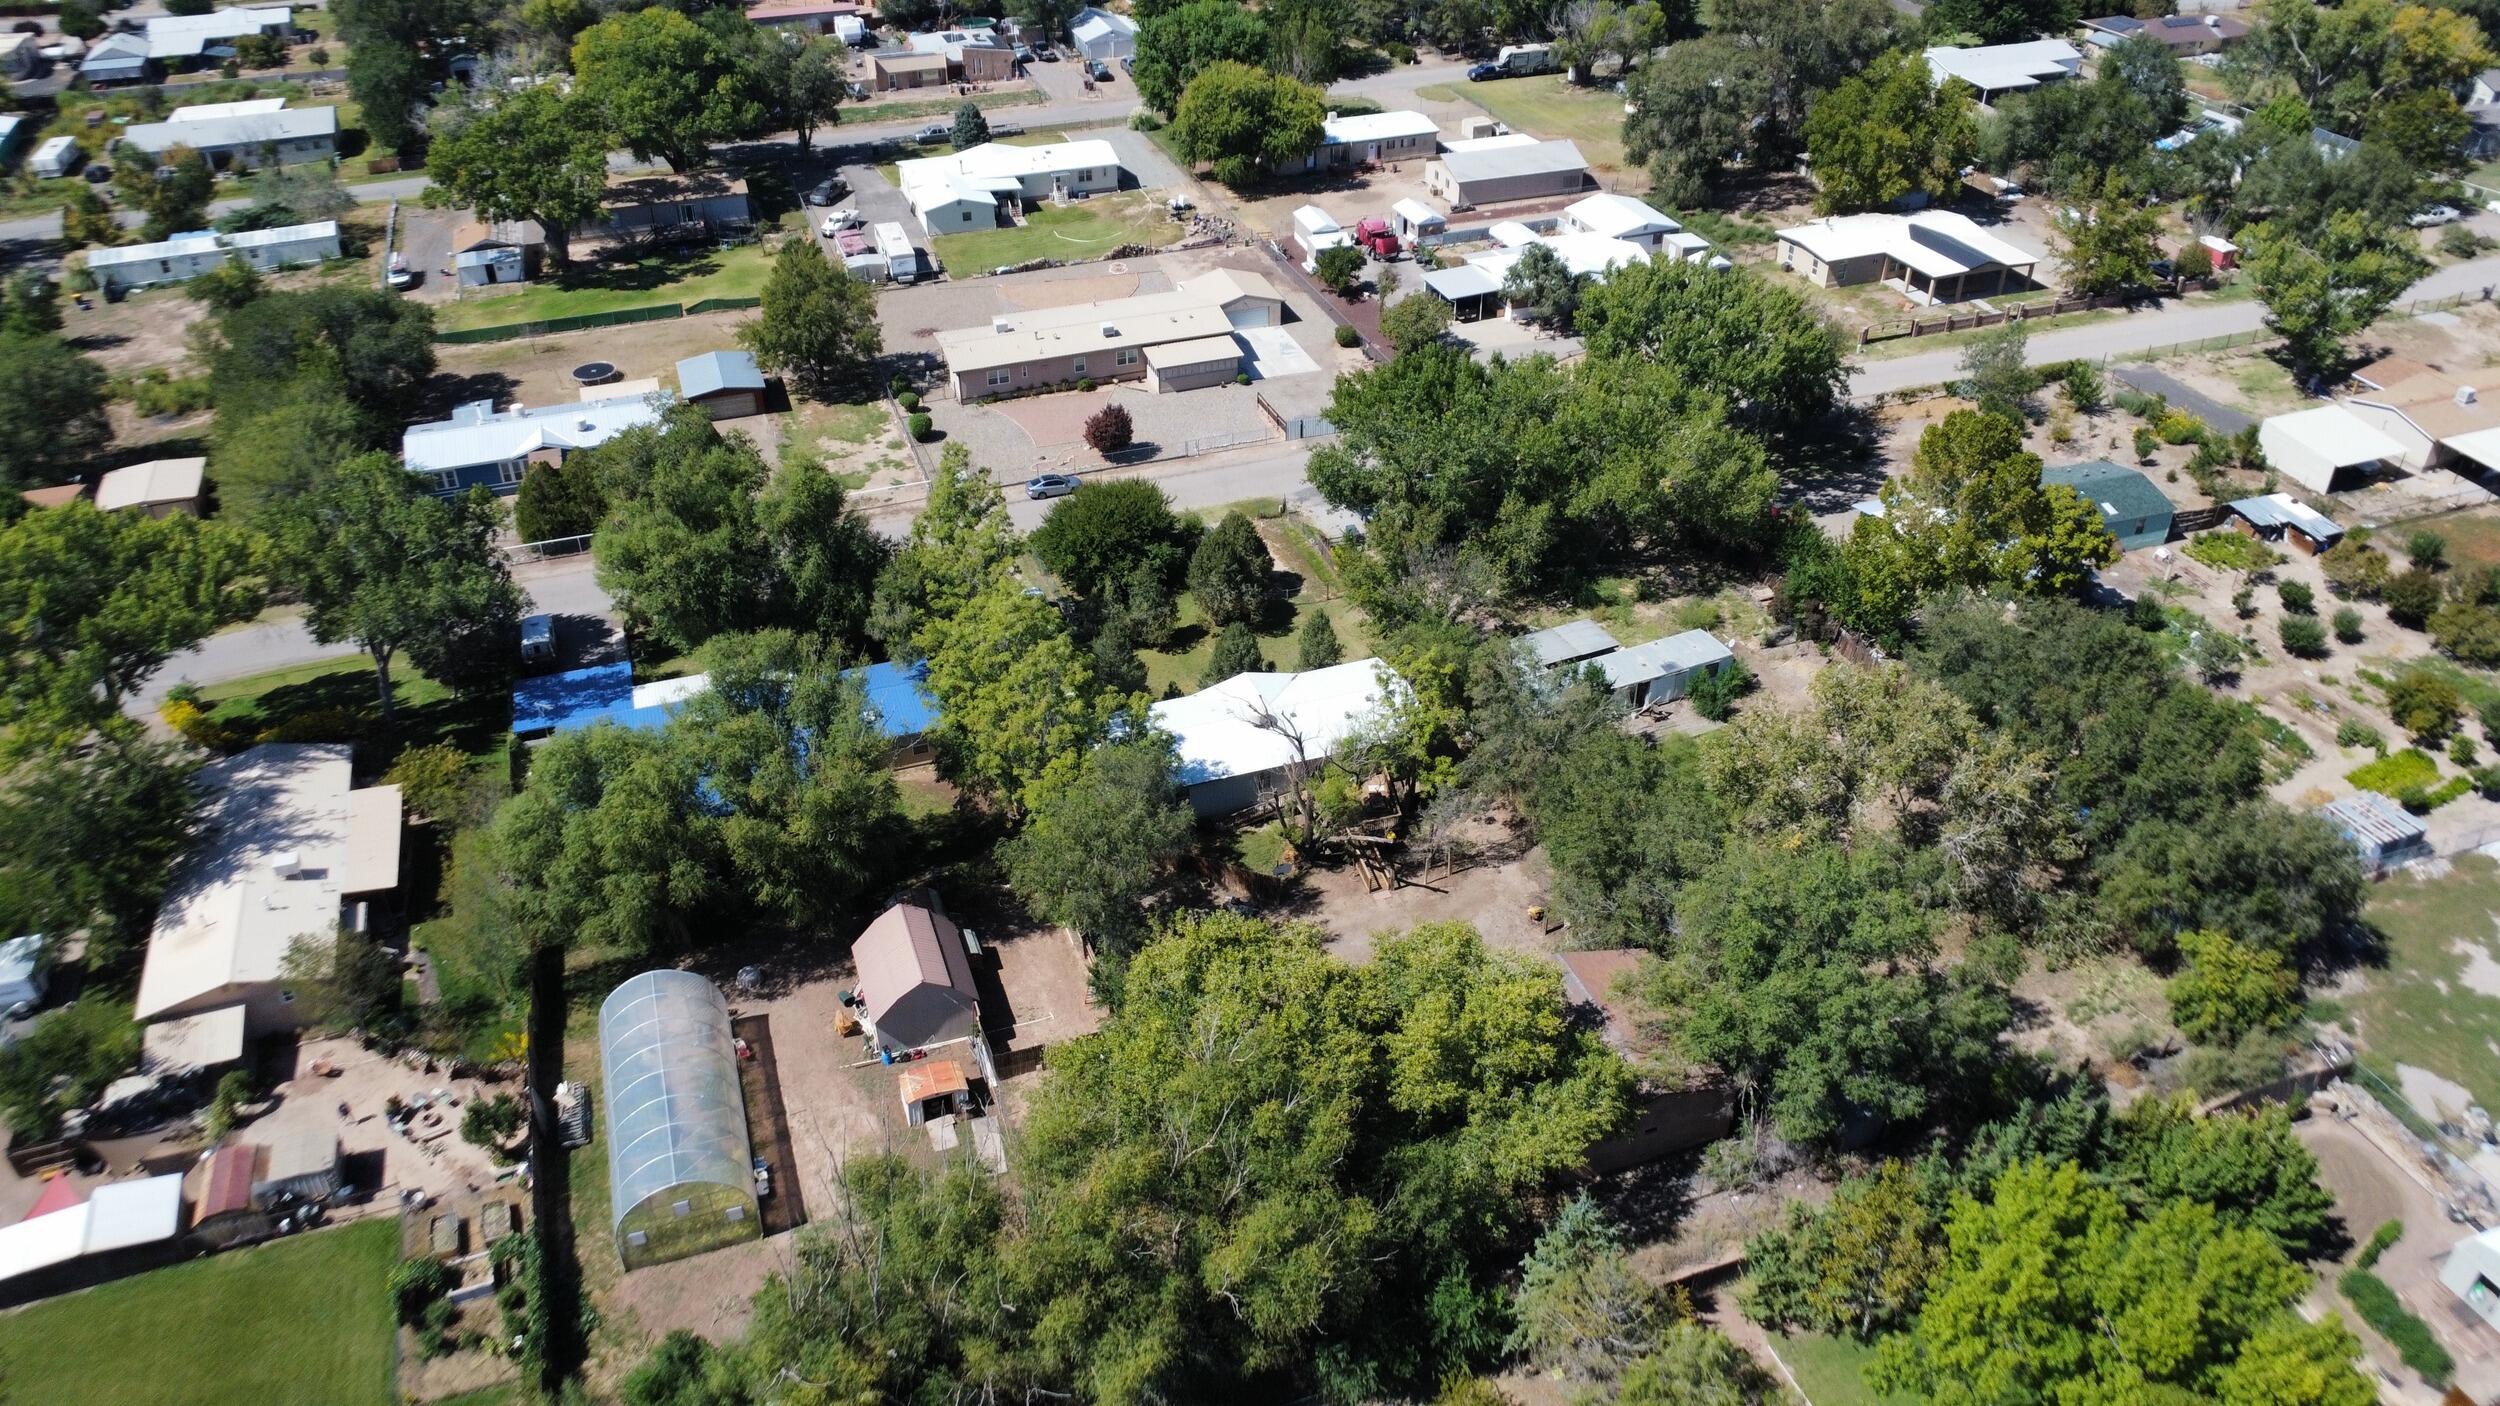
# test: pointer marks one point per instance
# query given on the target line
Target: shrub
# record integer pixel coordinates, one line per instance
(899, 387)
(2194, 262)
(2489, 716)
(2303, 636)
(2396, 772)
(418, 1282)
(1241, 378)
(1144, 121)
(489, 1122)
(2147, 443)
(2297, 597)
(2411, 596)
(1109, 429)
(921, 425)
(2226, 989)
(909, 400)
(1347, 336)
(2470, 632)
(1084, 385)
(2458, 242)
(2083, 387)
(1337, 268)
(2382, 1240)
(2461, 750)
(1316, 642)
(317, 56)
(2230, 551)
(2352, 732)
(233, 1091)
(2378, 1306)
(193, 725)
(2355, 568)
(2423, 703)
(1714, 694)
(1398, 51)
(2426, 550)
(2348, 625)
(2179, 427)
(434, 779)
(2244, 602)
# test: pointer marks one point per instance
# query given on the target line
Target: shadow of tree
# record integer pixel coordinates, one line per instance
(344, 707)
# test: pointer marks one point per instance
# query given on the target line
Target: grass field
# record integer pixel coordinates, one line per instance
(1077, 231)
(2422, 1007)
(1829, 1369)
(2473, 536)
(928, 107)
(1547, 107)
(684, 277)
(301, 1322)
(334, 700)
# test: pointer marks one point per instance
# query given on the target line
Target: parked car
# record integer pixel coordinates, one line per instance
(1050, 486)
(828, 190)
(1046, 53)
(1005, 129)
(859, 92)
(2437, 215)
(934, 132)
(1023, 54)
(839, 221)
(1097, 70)
(399, 275)
(1477, 73)
(538, 639)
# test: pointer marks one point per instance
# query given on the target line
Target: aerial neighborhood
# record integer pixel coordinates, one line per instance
(1237, 701)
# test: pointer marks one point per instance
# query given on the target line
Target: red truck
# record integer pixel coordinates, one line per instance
(1373, 236)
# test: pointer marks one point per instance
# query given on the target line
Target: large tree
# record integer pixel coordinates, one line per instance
(1174, 46)
(960, 546)
(392, 52)
(93, 603)
(90, 838)
(664, 86)
(817, 322)
(2349, 61)
(2322, 287)
(53, 415)
(612, 845)
(2109, 242)
(1096, 850)
(1105, 531)
(1245, 122)
(1763, 345)
(1739, 95)
(1017, 702)
(1891, 131)
(381, 562)
(171, 187)
(534, 154)
(1228, 573)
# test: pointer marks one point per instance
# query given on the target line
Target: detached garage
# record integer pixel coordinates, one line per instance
(1248, 299)
(727, 384)
(1189, 366)
(2134, 511)
(2325, 449)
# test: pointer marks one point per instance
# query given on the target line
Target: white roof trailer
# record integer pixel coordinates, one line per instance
(903, 263)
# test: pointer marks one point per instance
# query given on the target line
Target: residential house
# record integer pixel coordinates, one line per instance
(1571, 642)
(919, 1008)
(2280, 517)
(20, 55)
(727, 384)
(2434, 418)
(1467, 175)
(1998, 69)
(696, 205)
(1109, 341)
(1932, 256)
(906, 68)
(972, 55)
(2326, 447)
(115, 58)
(1245, 739)
(481, 445)
(802, 16)
(243, 136)
(186, 41)
(1612, 216)
(1372, 139)
(2184, 35)
(1476, 287)
(1102, 36)
(187, 256)
(1662, 670)
(898, 699)
(2383, 833)
(157, 488)
(2134, 511)
(971, 189)
(291, 852)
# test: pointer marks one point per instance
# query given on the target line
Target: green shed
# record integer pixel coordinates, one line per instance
(2134, 511)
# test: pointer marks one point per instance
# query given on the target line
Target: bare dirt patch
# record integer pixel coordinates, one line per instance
(1068, 292)
(146, 331)
(536, 370)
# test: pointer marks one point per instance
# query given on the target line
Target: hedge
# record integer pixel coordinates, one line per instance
(2378, 1306)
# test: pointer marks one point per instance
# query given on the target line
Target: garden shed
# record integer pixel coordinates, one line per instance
(680, 1175)
(2134, 511)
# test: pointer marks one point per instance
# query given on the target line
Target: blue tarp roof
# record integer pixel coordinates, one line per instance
(900, 694)
(575, 699)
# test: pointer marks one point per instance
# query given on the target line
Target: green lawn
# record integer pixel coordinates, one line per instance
(1829, 1369)
(2473, 536)
(1548, 107)
(2419, 1008)
(1076, 231)
(300, 1322)
(335, 700)
(686, 276)
(902, 108)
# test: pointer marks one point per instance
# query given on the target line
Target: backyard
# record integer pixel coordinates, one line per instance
(1079, 230)
(1830, 1371)
(335, 699)
(1547, 107)
(301, 1322)
(2435, 1003)
(687, 275)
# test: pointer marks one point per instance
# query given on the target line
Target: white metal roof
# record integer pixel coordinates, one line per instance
(1619, 216)
(1310, 219)
(181, 246)
(116, 51)
(980, 174)
(2481, 446)
(1215, 734)
(1497, 142)
(1191, 311)
(376, 818)
(1938, 243)
(316, 231)
(54, 1238)
(53, 148)
(1417, 213)
(271, 869)
(1463, 281)
(126, 1213)
(2375, 820)
(1499, 163)
(2284, 510)
(1587, 255)
(1572, 639)
(1091, 23)
(189, 1042)
(248, 129)
(479, 434)
(205, 112)
(2335, 435)
(184, 36)
(1675, 654)
(156, 481)
(1995, 68)
(1376, 127)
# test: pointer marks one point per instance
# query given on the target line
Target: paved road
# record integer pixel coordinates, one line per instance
(2137, 331)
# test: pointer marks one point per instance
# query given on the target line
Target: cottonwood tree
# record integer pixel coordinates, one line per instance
(171, 187)
(817, 322)
(1105, 531)
(960, 546)
(664, 86)
(1017, 700)
(1541, 286)
(388, 70)
(1175, 45)
(1245, 122)
(2348, 62)
(1972, 512)
(1739, 94)
(90, 837)
(2322, 287)
(92, 604)
(1097, 849)
(53, 416)
(813, 89)
(2109, 242)
(1766, 347)
(611, 845)
(1891, 131)
(380, 562)
(534, 154)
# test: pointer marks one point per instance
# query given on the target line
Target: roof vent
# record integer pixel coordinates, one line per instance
(1109, 330)
(287, 863)
(999, 323)
(2213, 21)
(585, 424)
(2465, 395)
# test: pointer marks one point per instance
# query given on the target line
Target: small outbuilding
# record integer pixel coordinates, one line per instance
(1463, 178)
(2472, 1273)
(158, 488)
(915, 981)
(2134, 511)
(680, 1167)
(56, 158)
(1192, 365)
(1663, 670)
(2384, 833)
(2325, 448)
(727, 384)
(303, 1163)
(1416, 222)
(1102, 36)
(1571, 642)
(2280, 517)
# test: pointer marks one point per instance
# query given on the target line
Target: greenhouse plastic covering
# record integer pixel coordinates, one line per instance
(675, 1116)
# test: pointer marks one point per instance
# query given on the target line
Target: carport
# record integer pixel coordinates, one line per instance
(1473, 293)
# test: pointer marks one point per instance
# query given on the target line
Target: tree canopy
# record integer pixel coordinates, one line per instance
(1245, 122)
(1890, 131)
(535, 154)
(665, 86)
